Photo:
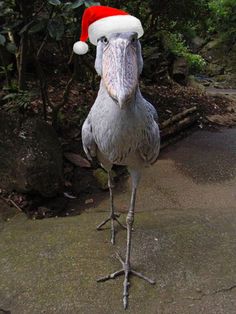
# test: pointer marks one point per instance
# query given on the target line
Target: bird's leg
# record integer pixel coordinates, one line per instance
(113, 216)
(126, 267)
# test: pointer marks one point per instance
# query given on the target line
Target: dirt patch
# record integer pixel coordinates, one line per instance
(174, 99)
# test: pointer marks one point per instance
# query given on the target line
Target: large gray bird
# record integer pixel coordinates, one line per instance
(121, 128)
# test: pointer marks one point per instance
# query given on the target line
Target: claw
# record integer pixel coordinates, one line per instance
(125, 302)
(127, 271)
(119, 258)
(113, 217)
(103, 223)
(111, 276)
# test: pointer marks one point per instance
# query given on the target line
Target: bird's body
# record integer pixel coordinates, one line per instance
(128, 136)
(121, 128)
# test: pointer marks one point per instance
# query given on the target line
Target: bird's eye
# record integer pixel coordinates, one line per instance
(105, 40)
(133, 40)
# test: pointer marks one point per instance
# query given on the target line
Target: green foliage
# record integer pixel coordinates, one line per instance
(77, 118)
(17, 100)
(76, 4)
(223, 8)
(196, 62)
(58, 19)
(54, 2)
(8, 68)
(56, 28)
(223, 18)
(175, 44)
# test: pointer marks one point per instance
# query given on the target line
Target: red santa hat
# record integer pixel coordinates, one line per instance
(98, 21)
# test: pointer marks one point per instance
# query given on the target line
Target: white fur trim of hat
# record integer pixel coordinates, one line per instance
(80, 48)
(114, 24)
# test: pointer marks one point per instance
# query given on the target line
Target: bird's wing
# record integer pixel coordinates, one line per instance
(150, 147)
(152, 110)
(89, 144)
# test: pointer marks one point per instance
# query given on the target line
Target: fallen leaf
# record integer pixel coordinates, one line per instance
(89, 201)
(69, 195)
(77, 160)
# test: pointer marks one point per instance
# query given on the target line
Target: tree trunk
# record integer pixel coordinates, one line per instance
(4, 63)
(26, 8)
(22, 61)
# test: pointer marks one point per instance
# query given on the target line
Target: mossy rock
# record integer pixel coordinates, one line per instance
(221, 78)
(215, 69)
(101, 177)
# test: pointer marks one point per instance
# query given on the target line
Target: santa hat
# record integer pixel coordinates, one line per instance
(98, 21)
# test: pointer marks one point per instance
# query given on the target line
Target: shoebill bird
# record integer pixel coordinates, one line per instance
(121, 128)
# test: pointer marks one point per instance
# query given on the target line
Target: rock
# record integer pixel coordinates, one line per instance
(221, 78)
(192, 82)
(221, 61)
(214, 69)
(89, 201)
(180, 70)
(30, 156)
(227, 119)
(213, 44)
(156, 67)
(196, 43)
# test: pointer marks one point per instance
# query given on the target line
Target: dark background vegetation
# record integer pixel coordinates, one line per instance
(38, 69)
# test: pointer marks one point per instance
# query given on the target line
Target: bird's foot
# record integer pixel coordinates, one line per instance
(126, 270)
(113, 217)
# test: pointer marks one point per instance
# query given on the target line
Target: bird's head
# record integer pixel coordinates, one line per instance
(119, 62)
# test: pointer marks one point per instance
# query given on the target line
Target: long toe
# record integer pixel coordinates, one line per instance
(112, 219)
(102, 224)
(127, 271)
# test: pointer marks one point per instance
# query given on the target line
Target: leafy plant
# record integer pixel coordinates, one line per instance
(175, 44)
(9, 68)
(223, 18)
(17, 100)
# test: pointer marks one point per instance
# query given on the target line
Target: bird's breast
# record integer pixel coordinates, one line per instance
(118, 136)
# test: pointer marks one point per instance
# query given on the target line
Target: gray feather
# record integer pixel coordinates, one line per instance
(126, 136)
(89, 144)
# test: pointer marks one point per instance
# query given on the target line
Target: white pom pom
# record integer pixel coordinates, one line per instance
(80, 48)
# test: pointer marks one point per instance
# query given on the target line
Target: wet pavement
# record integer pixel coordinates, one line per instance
(184, 237)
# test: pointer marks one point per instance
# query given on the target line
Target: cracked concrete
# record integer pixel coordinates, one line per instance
(184, 237)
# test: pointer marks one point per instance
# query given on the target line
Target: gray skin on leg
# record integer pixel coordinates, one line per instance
(126, 269)
(113, 216)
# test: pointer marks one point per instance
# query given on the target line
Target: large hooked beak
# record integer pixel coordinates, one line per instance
(120, 68)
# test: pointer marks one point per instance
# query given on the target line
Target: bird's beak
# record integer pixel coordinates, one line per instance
(120, 70)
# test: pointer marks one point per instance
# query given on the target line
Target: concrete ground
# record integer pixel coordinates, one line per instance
(184, 237)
